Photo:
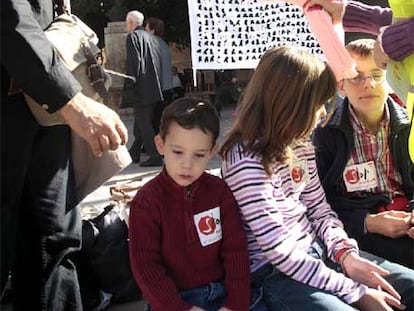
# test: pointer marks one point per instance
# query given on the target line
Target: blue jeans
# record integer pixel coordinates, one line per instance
(210, 297)
(272, 290)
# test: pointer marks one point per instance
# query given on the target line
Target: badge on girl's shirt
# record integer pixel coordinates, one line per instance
(358, 177)
(208, 224)
(299, 173)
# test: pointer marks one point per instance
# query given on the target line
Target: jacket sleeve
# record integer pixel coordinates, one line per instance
(133, 57)
(30, 59)
(398, 39)
(360, 17)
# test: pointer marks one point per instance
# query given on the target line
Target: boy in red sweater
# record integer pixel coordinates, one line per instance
(188, 249)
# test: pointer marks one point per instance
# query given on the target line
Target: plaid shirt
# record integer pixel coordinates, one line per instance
(375, 147)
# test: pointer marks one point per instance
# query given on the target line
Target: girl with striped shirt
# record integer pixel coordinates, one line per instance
(300, 256)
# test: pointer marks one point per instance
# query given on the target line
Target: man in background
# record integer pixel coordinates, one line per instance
(144, 64)
(156, 27)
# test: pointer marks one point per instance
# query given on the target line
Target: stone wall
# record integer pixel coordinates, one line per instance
(115, 59)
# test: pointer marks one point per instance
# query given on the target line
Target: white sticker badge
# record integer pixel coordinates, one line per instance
(208, 224)
(360, 177)
(299, 174)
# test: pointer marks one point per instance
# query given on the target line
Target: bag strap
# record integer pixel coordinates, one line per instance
(60, 7)
(96, 73)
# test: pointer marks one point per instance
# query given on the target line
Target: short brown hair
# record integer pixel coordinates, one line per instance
(156, 24)
(191, 113)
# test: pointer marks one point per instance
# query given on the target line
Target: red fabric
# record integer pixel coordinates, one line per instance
(397, 99)
(165, 251)
(398, 204)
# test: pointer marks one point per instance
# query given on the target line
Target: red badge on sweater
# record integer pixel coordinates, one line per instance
(208, 224)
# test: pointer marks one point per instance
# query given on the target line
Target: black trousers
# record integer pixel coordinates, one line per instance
(144, 132)
(40, 220)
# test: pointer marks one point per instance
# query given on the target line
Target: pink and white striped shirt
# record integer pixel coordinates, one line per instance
(283, 214)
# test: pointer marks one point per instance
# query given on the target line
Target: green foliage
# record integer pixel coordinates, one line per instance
(174, 13)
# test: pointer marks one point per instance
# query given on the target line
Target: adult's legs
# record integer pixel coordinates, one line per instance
(135, 149)
(42, 225)
(143, 118)
(49, 227)
(17, 133)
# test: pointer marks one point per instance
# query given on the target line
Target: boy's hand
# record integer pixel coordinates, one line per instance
(223, 309)
(195, 308)
(393, 224)
(366, 272)
(377, 300)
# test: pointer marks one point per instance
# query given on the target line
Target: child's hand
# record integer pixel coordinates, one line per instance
(195, 308)
(377, 300)
(334, 8)
(223, 309)
(393, 224)
(366, 272)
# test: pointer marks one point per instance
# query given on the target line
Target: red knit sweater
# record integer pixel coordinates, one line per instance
(165, 246)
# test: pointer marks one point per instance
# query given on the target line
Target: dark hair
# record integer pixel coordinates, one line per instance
(280, 103)
(156, 24)
(191, 113)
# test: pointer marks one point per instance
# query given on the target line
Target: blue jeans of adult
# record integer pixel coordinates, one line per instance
(209, 297)
(40, 220)
(272, 290)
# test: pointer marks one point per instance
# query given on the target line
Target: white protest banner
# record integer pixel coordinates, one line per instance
(234, 34)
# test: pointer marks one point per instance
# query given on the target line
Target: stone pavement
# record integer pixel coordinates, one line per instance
(101, 196)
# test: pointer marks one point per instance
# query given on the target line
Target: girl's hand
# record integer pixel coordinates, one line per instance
(377, 300)
(223, 309)
(334, 8)
(195, 308)
(366, 272)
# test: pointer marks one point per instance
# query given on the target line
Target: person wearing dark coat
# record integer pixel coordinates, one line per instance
(39, 211)
(144, 64)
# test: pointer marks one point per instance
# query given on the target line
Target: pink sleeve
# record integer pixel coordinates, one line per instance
(336, 55)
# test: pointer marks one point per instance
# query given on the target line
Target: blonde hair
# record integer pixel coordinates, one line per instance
(279, 105)
(361, 47)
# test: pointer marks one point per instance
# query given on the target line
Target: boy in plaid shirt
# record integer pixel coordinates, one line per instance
(363, 162)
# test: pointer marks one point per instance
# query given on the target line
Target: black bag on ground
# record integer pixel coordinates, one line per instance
(103, 262)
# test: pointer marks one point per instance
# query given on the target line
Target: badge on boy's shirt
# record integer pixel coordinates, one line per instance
(208, 224)
(358, 177)
(299, 173)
